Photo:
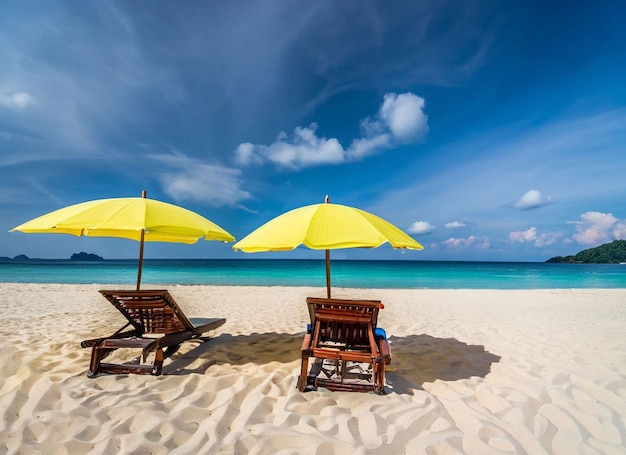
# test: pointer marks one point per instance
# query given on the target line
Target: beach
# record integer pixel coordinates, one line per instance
(472, 372)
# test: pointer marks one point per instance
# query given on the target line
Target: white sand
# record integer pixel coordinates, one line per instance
(476, 372)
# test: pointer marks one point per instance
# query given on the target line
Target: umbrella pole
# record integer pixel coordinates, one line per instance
(326, 201)
(141, 241)
(328, 274)
(143, 233)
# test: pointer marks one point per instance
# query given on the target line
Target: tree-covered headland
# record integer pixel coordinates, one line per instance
(609, 253)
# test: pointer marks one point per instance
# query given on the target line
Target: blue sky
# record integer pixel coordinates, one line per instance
(488, 130)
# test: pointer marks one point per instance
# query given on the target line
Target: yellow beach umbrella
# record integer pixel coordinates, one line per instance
(140, 219)
(325, 227)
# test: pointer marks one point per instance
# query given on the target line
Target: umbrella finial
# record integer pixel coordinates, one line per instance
(143, 194)
(327, 199)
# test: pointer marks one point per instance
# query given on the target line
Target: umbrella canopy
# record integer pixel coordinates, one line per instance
(140, 219)
(325, 227)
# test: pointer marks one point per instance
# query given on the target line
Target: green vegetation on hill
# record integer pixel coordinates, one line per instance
(609, 253)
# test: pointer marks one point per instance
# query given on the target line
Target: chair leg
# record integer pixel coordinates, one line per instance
(304, 372)
(304, 366)
(379, 377)
(97, 354)
(344, 368)
(158, 362)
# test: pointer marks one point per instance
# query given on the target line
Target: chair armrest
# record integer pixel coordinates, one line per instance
(94, 341)
(306, 343)
(203, 325)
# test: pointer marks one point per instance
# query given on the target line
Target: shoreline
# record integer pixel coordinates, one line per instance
(473, 371)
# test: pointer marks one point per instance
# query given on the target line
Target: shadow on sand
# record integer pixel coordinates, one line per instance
(416, 359)
(255, 348)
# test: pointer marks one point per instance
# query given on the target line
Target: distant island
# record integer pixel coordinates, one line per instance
(19, 257)
(82, 256)
(609, 253)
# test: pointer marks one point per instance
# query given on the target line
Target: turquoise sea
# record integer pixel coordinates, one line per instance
(351, 274)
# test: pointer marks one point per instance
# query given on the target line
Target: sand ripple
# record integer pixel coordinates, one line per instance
(454, 387)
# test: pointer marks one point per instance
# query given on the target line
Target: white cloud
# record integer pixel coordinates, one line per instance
(190, 178)
(531, 200)
(619, 232)
(421, 227)
(400, 120)
(245, 154)
(404, 116)
(531, 235)
(471, 241)
(362, 147)
(523, 236)
(548, 238)
(596, 228)
(302, 149)
(455, 225)
(18, 100)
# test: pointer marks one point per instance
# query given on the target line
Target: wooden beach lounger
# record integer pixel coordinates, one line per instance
(155, 323)
(344, 335)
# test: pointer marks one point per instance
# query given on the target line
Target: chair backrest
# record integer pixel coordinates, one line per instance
(350, 322)
(149, 311)
(363, 306)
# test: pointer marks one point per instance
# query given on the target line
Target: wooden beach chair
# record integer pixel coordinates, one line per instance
(343, 337)
(155, 324)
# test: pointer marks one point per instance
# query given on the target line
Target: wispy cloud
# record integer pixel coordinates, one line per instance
(400, 120)
(469, 242)
(455, 225)
(190, 178)
(16, 100)
(532, 236)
